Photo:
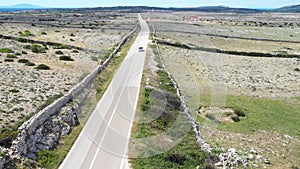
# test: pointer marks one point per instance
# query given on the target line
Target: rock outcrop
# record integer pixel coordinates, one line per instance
(6, 162)
(47, 136)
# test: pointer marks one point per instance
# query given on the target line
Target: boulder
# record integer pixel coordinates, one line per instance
(66, 130)
(69, 115)
(32, 156)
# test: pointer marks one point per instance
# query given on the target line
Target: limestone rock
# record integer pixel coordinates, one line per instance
(66, 130)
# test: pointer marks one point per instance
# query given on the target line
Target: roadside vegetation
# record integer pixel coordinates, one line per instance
(186, 154)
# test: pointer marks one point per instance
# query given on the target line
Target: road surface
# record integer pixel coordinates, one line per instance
(104, 140)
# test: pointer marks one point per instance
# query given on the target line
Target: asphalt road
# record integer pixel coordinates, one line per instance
(104, 140)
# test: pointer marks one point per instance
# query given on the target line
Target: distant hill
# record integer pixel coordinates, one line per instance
(217, 9)
(22, 6)
(292, 8)
(199, 9)
(221, 9)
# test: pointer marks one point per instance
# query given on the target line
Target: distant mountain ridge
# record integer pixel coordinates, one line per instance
(218, 9)
(291, 8)
(23, 6)
(200, 9)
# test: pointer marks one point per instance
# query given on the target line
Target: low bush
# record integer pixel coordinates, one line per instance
(22, 40)
(59, 52)
(165, 82)
(63, 47)
(75, 51)
(35, 48)
(8, 60)
(14, 91)
(11, 56)
(297, 69)
(235, 118)
(47, 158)
(26, 33)
(43, 33)
(239, 112)
(43, 67)
(29, 64)
(23, 52)
(6, 50)
(66, 58)
(27, 47)
(23, 60)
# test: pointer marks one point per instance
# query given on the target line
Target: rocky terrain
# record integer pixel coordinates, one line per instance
(250, 76)
(96, 39)
(261, 149)
(24, 88)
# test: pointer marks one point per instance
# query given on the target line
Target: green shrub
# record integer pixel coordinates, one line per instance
(27, 47)
(47, 158)
(23, 60)
(63, 47)
(43, 33)
(43, 67)
(59, 52)
(57, 30)
(239, 112)
(72, 34)
(11, 56)
(35, 48)
(14, 91)
(23, 52)
(22, 40)
(6, 50)
(8, 60)
(29, 64)
(66, 58)
(235, 118)
(72, 40)
(26, 33)
(165, 82)
(75, 51)
(18, 54)
(297, 69)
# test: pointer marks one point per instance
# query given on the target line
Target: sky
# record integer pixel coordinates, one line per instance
(154, 3)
